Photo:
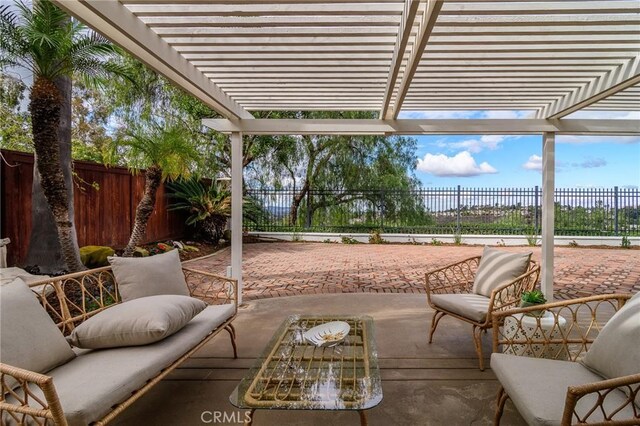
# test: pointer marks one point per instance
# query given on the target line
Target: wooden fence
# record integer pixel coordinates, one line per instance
(103, 215)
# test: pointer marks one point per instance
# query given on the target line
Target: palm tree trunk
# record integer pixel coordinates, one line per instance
(46, 103)
(153, 177)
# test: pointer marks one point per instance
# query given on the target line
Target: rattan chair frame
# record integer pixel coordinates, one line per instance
(458, 277)
(99, 291)
(574, 339)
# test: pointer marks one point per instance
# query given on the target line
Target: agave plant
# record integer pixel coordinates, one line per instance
(208, 207)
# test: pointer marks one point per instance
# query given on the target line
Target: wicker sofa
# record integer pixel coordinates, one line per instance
(576, 371)
(96, 385)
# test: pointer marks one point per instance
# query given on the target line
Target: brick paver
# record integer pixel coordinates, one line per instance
(288, 269)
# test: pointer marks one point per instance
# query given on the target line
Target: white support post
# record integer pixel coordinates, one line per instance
(236, 210)
(548, 212)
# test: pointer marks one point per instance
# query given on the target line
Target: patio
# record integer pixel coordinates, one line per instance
(533, 64)
(290, 269)
(423, 384)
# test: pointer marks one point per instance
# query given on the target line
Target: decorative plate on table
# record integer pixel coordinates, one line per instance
(328, 334)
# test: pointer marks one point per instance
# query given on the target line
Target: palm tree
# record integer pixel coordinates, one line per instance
(165, 151)
(48, 44)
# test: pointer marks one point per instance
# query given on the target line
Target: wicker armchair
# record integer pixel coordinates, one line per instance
(573, 394)
(458, 278)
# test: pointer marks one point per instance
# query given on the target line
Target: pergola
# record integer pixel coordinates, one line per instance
(542, 60)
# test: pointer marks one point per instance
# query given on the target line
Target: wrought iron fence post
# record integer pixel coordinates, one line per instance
(615, 206)
(381, 210)
(458, 211)
(307, 221)
(535, 210)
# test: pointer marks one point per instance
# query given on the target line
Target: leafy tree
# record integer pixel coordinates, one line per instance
(334, 170)
(15, 125)
(165, 151)
(52, 47)
(90, 120)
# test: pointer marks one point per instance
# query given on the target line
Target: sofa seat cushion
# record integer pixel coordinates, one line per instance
(96, 380)
(472, 306)
(538, 388)
(137, 322)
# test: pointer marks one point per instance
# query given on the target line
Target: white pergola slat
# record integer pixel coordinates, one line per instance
(547, 59)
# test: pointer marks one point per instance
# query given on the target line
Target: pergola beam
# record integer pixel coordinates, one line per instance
(622, 77)
(427, 23)
(404, 33)
(117, 23)
(423, 127)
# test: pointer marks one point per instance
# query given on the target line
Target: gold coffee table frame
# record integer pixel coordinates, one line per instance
(293, 374)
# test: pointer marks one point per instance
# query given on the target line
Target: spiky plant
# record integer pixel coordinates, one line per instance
(208, 207)
(43, 40)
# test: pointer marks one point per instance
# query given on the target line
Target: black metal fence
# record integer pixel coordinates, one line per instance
(457, 210)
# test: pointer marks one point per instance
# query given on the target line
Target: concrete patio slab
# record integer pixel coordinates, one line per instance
(289, 269)
(423, 384)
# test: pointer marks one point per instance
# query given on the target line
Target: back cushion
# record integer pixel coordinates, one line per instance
(616, 350)
(498, 267)
(149, 276)
(30, 338)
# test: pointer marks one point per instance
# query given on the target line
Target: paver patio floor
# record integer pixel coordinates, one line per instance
(289, 269)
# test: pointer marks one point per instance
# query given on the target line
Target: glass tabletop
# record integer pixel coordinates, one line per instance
(292, 373)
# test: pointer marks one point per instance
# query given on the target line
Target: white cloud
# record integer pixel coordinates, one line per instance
(508, 114)
(605, 115)
(458, 114)
(491, 142)
(460, 165)
(434, 115)
(534, 163)
(591, 163)
(597, 139)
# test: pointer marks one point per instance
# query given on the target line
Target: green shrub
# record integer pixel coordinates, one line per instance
(457, 239)
(626, 242)
(95, 256)
(376, 238)
(435, 242)
(349, 240)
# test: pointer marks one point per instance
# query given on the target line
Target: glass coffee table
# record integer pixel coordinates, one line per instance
(293, 374)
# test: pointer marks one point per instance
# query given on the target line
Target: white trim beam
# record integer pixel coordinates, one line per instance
(423, 127)
(122, 27)
(236, 210)
(404, 33)
(427, 23)
(613, 82)
(548, 212)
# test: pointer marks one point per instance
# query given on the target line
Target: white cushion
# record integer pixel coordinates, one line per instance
(30, 338)
(538, 388)
(149, 276)
(616, 350)
(472, 306)
(136, 322)
(96, 380)
(498, 267)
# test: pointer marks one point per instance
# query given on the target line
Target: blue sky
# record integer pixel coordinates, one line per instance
(515, 161)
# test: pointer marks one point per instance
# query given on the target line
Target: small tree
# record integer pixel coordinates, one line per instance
(164, 153)
(50, 45)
